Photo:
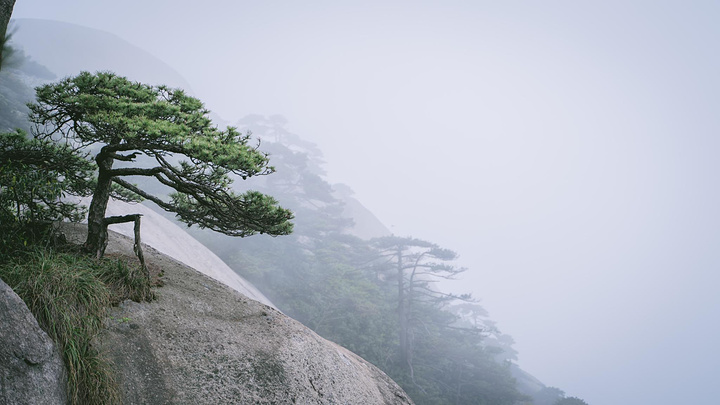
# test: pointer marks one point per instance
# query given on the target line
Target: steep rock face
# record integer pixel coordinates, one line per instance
(31, 371)
(201, 342)
(170, 239)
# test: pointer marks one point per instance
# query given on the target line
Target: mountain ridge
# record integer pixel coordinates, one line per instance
(91, 50)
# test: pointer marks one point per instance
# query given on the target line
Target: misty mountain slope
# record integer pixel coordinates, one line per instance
(365, 224)
(301, 182)
(67, 49)
(17, 79)
(330, 277)
(318, 271)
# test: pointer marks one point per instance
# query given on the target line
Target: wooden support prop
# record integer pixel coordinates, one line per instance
(137, 247)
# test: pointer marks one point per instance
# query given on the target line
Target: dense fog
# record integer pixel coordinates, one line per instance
(566, 150)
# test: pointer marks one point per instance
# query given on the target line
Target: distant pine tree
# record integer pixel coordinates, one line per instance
(571, 401)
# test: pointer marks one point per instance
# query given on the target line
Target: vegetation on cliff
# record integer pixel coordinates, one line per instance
(67, 291)
(69, 295)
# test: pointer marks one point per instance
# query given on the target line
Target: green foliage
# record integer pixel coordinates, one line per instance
(18, 238)
(69, 296)
(122, 120)
(35, 176)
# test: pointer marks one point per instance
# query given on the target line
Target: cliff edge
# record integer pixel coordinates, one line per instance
(202, 342)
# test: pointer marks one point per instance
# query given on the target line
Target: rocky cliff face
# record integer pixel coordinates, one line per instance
(201, 342)
(31, 371)
(170, 239)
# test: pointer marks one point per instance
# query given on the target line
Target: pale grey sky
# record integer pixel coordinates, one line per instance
(567, 150)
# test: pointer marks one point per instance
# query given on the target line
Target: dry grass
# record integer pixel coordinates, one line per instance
(69, 294)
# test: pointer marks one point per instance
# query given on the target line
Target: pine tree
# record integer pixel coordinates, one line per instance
(120, 120)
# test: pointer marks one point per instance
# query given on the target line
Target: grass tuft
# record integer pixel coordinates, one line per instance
(126, 280)
(69, 295)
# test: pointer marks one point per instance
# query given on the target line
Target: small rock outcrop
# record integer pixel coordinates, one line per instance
(201, 342)
(31, 370)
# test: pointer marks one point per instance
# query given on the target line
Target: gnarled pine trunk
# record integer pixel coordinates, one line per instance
(96, 241)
